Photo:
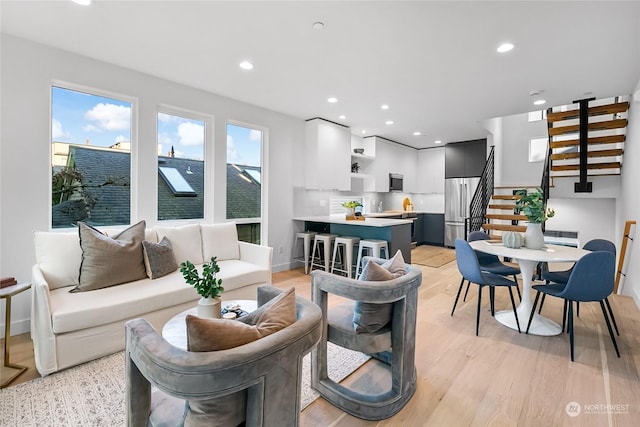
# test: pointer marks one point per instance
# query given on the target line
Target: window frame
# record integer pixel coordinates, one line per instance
(133, 152)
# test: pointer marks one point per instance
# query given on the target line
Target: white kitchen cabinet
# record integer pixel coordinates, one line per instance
(431, 171)
(328, 156)
(407, 159)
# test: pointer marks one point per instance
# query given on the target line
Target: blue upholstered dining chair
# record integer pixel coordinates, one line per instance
(591, 280)
(489, 263)
(562, 277)
(470, 270)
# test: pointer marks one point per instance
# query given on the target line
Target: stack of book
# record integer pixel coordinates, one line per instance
(7, 281)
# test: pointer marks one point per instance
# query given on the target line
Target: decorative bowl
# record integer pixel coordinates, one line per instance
(358, 150)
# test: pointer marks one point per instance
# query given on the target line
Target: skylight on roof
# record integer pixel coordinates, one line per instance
(254, 174)
(176, 182)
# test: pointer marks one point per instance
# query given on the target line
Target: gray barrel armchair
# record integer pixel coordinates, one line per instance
(394, 344)
(257, 383)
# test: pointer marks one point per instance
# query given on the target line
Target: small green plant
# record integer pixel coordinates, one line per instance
(531, 205)
(351, 204)
(207, 286)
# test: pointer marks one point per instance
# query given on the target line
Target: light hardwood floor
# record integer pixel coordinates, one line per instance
(500, 378)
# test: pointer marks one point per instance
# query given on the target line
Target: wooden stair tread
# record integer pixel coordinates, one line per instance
(505, 197)
(608, 124)
(594, 153)
(503, 207)
(608, 165)
(504, 227)
(618, 107)
(610, 139)
(507, 217)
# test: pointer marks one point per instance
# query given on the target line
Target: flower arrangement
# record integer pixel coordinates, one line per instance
(531, 205)
(351, 204)
(207, 286)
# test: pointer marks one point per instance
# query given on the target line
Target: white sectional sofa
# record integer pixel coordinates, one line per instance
(72, 328)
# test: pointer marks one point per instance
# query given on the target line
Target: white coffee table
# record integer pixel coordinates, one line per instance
(175, 330)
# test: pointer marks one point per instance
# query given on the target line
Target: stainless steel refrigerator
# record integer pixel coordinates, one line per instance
(458, 193)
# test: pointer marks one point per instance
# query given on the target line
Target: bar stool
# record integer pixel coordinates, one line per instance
(346, 261)
(374, 248)
(306, 243)
(326, 240)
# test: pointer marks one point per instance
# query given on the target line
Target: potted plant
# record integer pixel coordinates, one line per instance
(531, 204)
(351, 207)
(207, 286)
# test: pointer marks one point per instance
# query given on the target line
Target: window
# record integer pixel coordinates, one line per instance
(180, 167)
(536, 116)
(244, 180)
(91, 159)
(537, 149)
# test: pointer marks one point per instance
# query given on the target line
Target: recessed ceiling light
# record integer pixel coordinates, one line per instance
(437, 141)
(539, 102)
(246, 65)
(332, 100)
(342, 117)
(384, 107)
(364, 131)
(505, 47)
(318, 25)
(417, 133)
(388, 122)
(83, 2)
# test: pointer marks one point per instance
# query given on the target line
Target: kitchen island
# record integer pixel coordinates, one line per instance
(397, 232)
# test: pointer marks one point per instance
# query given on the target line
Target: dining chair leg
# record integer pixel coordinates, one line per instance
(577, 308)
(515, 279)
(492, 291)
(513, 304)
(457, 296)
(606, 318)
(467, 291)
(571, 328)
(613, 319)
(541, 303)
(564, 317)
(533, 311)
(478, 311)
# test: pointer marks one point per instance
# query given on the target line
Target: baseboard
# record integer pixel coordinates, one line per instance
(17, 327)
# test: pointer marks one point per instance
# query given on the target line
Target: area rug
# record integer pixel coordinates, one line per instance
(93, 394)
(432, 256)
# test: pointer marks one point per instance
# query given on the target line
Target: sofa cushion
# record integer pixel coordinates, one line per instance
(236, 274)
(371, 317)
(185, 240)
(110, 261)
(222, 334)
(58, 255)
(220, 240)
(159, 259)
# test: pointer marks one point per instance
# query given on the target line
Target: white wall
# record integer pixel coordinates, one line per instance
(516, 170)
(629, 202)
(27, 71)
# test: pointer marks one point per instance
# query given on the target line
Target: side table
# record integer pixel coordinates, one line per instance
(6, 294)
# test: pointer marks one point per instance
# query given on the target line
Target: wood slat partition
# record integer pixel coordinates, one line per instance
(609, 124)
(595, 153)
(610, 139)
(618, 107)
(609, 165)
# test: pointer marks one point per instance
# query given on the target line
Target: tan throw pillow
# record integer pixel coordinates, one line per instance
(159, 259)
(109, 261)
(223, 334)
(371, 317)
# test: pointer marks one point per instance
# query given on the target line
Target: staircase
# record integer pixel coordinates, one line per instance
(501, 213)
(586, 139)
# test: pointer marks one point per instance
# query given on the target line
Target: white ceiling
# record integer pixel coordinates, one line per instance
(434, 63)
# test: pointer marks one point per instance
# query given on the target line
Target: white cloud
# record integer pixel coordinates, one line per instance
(110, 116)
(56, 130)
(232, 153)
(91, 128)
(165, 139)
(191, 134)
(167, 118)
(255, 135)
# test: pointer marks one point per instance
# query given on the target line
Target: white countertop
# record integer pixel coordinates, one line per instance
(394, 213)
(369, 222)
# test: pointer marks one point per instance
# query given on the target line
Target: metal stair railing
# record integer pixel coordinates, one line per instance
(481, 197)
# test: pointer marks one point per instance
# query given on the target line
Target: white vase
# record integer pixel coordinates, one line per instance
(209, 308)
(351, 212)
(533, 237)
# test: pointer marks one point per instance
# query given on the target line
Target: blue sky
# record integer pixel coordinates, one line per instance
(77, 117)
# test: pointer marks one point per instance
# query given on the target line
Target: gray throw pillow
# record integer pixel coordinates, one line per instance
(109, 261)
(159, 259)
(371, 317)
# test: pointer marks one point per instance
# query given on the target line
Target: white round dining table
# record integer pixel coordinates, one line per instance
(528, 260)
